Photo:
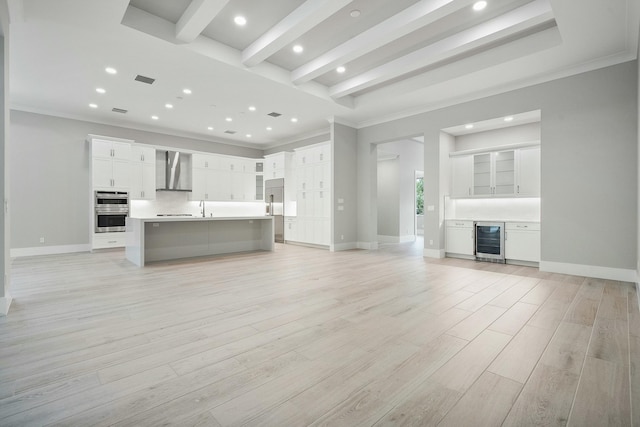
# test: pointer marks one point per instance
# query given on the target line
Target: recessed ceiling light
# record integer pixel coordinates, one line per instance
(240, 20)
(111, 70)
(93, 105)
(469, 126)
(229, 119)
(298, 49)
(248, 135)
(210, 128)
(479, 5)
(100, 90)
(169, 106)
(294, 119)
(252, 108)
(508, 118)
(186, 91)
(154, 117)
(269, 128)
(354, 13)
(341, 69)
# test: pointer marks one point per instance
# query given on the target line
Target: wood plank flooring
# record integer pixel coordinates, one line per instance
(306, 337)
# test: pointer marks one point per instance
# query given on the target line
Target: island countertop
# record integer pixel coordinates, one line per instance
(173, 237)
(183, 218)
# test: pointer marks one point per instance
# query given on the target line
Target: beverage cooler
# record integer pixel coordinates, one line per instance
(489, 238)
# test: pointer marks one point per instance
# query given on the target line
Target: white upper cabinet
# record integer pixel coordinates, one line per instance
(223, 178)
(494, 174)
(529, 172)
(505, 173)
(110, 164)
(143, 173)
(461, 176)
(114, 150)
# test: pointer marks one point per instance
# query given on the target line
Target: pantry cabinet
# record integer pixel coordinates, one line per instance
(313, 194)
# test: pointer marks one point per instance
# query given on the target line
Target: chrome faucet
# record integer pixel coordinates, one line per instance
(203, 205)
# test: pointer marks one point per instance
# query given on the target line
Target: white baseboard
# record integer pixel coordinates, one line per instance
(622, 274)
(368, 245)
(343, 246)
(433, 253)
(396, 239)
(49, 250)
(5, 303)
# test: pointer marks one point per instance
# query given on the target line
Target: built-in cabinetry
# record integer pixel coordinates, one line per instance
(522, 241)
(110, 166)
(111, 170)
(224, 178)
(313, 196)
(459, 237)
(500, 173)
(143, 173)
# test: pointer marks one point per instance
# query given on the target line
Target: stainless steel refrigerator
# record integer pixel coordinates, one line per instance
(274, 197)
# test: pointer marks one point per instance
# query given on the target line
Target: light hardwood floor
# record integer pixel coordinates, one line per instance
(302, 336)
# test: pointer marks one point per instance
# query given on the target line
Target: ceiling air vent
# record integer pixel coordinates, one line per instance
(119, 110)
(230, 132)
(143, 79)
(274, 114)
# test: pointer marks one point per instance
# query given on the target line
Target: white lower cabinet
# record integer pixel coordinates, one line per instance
(290, 230)
(522, 241)
(108, 240)
(459, 237)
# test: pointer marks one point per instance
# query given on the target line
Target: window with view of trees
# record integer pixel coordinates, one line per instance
(419, 196)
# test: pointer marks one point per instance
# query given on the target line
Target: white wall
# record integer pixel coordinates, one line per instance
(389, 197)
(345, 188)
(497, 137)
(397, 188)
(589, 165)
(5, 216)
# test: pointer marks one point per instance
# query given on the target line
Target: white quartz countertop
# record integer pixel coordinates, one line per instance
(199, 218)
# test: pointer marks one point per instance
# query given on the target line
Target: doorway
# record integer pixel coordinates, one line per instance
(419, 204)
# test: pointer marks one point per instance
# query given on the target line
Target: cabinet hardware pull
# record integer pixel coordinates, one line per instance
(518, 189)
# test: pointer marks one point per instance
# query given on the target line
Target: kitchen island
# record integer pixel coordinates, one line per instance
(167, 238)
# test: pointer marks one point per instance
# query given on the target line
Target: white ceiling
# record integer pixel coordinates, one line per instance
(402, 57)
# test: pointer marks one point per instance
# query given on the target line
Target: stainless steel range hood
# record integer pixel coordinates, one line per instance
(173, 171)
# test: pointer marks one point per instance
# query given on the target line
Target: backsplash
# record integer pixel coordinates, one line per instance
(175, 202)
(519, 209)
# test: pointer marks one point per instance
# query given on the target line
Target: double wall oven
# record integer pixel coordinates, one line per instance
(111, 211)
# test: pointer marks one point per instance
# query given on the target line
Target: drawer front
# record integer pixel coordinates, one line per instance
(108, 240)
(522, 226)
(459, 223)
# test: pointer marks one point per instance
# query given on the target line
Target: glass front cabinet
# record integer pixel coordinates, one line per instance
(506, 173)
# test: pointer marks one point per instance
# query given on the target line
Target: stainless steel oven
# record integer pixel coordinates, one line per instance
(489, 238)
(111, 211)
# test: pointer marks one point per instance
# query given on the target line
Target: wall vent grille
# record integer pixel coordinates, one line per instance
(144, 79)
